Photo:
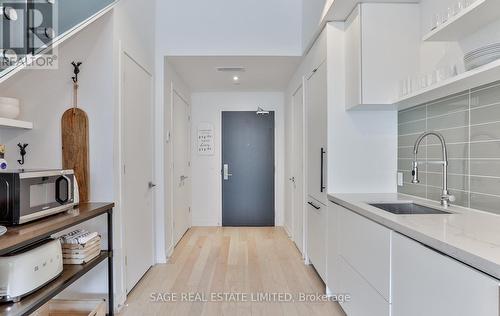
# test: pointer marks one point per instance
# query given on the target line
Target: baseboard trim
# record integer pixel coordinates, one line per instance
(205, 223)
(288, 231)
(170, 251)
(120, 302)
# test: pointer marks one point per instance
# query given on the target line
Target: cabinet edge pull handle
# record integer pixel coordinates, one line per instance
(313, 205)
(322, 186)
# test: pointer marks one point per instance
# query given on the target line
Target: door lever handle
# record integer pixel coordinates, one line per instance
(151, 185)
(225, 172)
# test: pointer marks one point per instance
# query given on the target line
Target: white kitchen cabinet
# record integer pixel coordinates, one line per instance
(317, 215)
(428, 283)
(382, 48)
(366, 246)
(316, 95)
(364, 299)
(332, 248)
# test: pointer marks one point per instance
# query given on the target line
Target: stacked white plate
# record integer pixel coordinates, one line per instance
(482, 56)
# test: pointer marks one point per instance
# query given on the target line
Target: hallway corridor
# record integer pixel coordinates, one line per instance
(238, 261)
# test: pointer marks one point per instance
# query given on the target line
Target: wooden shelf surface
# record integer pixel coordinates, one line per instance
(20, 236)
(32, 302)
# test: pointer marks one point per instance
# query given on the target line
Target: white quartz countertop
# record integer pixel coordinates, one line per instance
(470, 236)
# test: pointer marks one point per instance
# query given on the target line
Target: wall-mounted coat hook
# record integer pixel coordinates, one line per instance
(76, 70)
(22, 152)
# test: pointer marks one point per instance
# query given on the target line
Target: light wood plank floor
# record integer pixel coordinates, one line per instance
(231, 260)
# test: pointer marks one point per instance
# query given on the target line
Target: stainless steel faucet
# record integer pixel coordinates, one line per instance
(446, 197)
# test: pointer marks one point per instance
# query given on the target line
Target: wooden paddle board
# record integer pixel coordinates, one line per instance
(75, 144)
(75, 147)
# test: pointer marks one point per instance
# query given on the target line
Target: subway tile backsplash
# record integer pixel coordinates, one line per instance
(470, 123)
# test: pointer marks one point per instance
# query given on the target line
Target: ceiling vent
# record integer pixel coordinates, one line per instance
(231, 69)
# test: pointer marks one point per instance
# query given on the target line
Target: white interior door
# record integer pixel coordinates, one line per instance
(137, 136)
(288, 214)
(298, 168)
(181, 180)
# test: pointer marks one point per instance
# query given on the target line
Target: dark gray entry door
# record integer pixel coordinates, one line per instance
(247, 169)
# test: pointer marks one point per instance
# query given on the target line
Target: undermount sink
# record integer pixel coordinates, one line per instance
(407, 208)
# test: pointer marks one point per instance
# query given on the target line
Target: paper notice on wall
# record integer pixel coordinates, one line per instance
(205, 139)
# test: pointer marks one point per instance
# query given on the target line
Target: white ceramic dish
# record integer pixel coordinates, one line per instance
(9, 108)
(481, 52)
(487, 47)
(480, 61)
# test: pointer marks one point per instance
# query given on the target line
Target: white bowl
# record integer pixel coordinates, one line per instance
(9, 108)
(7, 100)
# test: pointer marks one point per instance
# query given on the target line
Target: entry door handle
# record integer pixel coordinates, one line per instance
(225, 172)
(151, 184)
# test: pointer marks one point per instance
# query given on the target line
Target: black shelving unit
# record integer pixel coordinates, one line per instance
(19, 236)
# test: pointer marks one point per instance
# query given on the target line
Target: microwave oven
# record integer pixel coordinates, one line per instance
(28, 195)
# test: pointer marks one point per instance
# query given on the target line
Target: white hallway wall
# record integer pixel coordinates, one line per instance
(46, 94)
(206, 178)
(172, 82)
(218, 27)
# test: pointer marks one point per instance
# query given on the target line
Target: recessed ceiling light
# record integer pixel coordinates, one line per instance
(236, 78)
(231, 69)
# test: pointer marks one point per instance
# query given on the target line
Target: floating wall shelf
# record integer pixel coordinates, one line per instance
(471, 19)
(15, 123)
(464, 81)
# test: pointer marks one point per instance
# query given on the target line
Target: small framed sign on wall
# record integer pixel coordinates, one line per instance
(205, 139)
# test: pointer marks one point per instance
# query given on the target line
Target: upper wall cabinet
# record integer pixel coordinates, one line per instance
(382, 47)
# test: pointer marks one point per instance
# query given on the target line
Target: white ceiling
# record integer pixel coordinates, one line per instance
(261, 74)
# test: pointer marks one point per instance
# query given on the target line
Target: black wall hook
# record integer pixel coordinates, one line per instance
(76, 70)
(22, 152)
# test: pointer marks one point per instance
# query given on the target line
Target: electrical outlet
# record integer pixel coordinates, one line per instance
(400, 179)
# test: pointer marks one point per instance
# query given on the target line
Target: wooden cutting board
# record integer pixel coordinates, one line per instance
(75, 147)
(75, 144)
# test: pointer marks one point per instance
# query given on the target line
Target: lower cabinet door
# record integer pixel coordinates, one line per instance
(316, 236)
(428, 283)
(364, 299)
(366, 246)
